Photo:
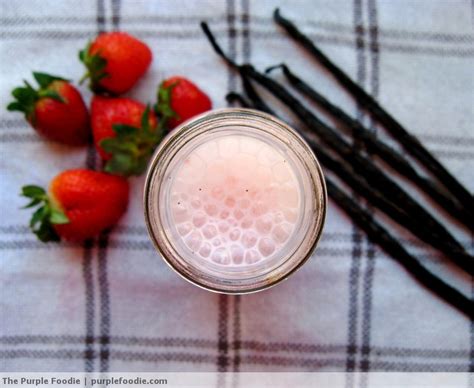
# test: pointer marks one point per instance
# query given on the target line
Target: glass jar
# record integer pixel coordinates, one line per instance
(234, 200)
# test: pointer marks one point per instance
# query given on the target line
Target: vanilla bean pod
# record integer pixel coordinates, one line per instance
(410, 143)
(236, 97)
(372, 173)
(461, 258)
(388, 154)
(257, 101)
(376, 198)
(378, 235)
(382, 237)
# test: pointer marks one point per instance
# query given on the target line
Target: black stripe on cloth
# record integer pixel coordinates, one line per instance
(354, 271)
(100, 19)
(116, 14)
(88, 340)
(258, 20)
(368, 277)
(116, 355)
(14, 123)
(237, 333)
(103, 282)
(195, 33)
(222, 333)
(89, 245)
(311, 364)
(146, 245)
(104, 302)
(257, 346)
(246, 33)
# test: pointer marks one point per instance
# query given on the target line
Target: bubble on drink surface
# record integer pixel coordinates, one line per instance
(266, 246)
(259, 209)
(280, 233)
(209, 231)
(234, 235)
(205, 250)
(211, 209)
(240, 207)
(220, 256)
(252, 256)
(246, 223)
(184, 228)
(249, 238)
(223, 226)
(278, 217)
(199, 219)
(237, 253)
(229, 202)
(193, 241)
(264, 224)
(238, 214)
(217, 193)
(180, 212)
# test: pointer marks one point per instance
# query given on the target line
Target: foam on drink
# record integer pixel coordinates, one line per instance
(235, 200)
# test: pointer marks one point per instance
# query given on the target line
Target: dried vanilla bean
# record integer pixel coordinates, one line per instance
(409, 142)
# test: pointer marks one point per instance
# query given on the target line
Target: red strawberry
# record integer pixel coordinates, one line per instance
(81, 203)
(115, 61)
(125, 134)
(179, 100)
(56, 109)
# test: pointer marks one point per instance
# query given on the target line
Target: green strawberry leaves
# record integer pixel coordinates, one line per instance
(163, 108)
(25, 99)
(27, 96)
(45, 216)
(44, 80)
(132, 147)
(95, 65)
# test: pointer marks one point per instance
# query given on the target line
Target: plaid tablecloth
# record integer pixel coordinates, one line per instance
(113, 305)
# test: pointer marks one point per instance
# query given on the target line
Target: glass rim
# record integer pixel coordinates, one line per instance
(164, 155)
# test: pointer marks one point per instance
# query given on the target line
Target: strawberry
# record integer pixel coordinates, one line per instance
(125, 134)
(81, 203)
(115, 61)
(56, 109)
(179, 100)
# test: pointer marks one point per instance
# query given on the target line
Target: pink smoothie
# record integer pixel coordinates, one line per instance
(235, 201)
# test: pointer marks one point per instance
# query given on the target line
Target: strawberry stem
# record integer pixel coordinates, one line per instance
(95, 65)
(45, 216)
(163, 108)
(27, 96)
(132, 147)
(84, 77)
